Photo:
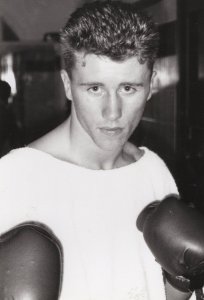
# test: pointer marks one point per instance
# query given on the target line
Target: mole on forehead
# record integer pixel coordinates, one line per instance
(83, 64)
(81, 57)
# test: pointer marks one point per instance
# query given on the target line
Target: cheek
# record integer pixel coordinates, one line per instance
(136, 109)
(85, 111)
(78, 102)
(134, 115)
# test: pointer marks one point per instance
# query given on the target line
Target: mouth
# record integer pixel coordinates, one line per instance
(111, 131)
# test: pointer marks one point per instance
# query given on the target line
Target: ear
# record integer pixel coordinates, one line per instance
(67, 86)
(151, 84)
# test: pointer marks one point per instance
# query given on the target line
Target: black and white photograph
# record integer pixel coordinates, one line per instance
(101, 149)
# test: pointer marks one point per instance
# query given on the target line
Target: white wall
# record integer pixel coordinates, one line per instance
(30, 19)
(164, 11)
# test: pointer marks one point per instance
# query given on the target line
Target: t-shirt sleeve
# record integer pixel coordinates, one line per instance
(12, 189)
(162, 179)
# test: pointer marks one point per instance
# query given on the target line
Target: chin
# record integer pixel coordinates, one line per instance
(111, 145)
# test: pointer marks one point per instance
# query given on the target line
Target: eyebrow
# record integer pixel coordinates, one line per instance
(139, 84)
(121, 84)
(91, 84)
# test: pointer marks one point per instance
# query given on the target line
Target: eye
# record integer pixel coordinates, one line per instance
(128, 89)
(94, 89)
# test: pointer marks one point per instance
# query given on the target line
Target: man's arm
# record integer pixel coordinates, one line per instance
(174, 232)
(34, 255)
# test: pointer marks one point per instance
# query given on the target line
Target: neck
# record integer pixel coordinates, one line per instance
(82, 151)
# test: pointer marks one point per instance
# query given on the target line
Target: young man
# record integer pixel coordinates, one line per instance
(84, 180)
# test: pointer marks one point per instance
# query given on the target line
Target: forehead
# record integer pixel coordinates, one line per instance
(92, 66)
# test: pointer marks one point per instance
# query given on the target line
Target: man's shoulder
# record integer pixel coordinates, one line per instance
(17, 159)
(15, 155)
(148, 160)
(142, 153)
(44, 143)
(53, 142)
(132, 153)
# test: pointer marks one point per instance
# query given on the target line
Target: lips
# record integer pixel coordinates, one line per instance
(111, 131)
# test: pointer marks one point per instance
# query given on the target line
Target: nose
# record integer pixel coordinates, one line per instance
(112, 109)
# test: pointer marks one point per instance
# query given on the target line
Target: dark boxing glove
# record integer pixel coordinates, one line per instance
(30, 263)
(174, 233)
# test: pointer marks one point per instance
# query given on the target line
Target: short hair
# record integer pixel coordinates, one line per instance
(110, 28)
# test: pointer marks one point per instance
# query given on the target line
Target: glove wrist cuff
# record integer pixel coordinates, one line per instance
(179, 282)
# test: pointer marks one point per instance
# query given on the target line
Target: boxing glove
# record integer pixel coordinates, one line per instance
(30, 263)
(174, 233)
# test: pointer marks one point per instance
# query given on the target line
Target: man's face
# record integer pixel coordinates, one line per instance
(108, 99)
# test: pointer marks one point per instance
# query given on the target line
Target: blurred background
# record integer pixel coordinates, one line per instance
(32, 99)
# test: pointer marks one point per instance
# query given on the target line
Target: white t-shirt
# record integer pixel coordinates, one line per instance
(93, 213)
